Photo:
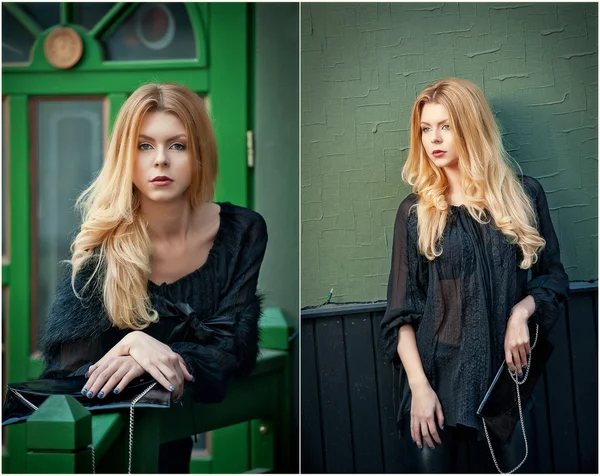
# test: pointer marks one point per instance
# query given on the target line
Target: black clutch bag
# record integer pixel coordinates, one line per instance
(23, 398)
(502, 406)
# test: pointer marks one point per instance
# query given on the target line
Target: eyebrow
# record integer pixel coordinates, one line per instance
(427, 123)
(178, 136)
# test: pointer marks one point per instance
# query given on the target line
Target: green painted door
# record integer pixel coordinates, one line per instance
(61, 92)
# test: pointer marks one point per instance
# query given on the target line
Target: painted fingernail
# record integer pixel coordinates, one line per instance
(90, 394)
(193, 378)
(172, 388)
(86, 375)
(442, 427)
(101, 394)
(520, 375)
(84, 391)
(420, 448)
(116, 390)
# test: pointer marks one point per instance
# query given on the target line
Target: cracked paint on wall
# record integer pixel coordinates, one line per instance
(362, 68)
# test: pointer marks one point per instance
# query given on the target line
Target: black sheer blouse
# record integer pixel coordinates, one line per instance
(459, 303)
(209, 317)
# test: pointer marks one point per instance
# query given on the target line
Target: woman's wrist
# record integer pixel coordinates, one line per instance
(124, 346)
(418, 383)
(524, 309)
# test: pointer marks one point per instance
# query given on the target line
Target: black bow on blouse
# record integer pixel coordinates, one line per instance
(189, 323)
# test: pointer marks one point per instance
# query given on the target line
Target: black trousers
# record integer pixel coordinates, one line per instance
(174, 457)
(461, 452)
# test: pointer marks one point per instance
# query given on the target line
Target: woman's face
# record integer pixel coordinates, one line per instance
(436, 136)
(162, 171)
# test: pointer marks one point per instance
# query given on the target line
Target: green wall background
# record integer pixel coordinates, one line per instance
(276, 129)
(276, 126)
(362, 68)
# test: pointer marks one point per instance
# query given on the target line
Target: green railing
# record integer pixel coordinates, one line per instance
(60, 432)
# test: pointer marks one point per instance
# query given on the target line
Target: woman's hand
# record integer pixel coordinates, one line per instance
(156, 358)
(111, 373)
(425, 409)
(516, 340)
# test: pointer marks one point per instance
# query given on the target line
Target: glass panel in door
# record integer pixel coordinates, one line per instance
(5, 185)
(67, 149)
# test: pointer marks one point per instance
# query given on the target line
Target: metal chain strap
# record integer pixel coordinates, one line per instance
(513, 376)
(135, 400)
(24, 400)
(91, 447)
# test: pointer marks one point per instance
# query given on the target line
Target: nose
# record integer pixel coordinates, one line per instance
(160, 158)
(436, 137)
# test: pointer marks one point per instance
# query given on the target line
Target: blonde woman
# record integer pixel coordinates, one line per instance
(162, 280)
(459, 294)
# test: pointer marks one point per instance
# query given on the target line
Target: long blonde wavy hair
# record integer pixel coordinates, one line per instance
(488, 181)
(114, 234)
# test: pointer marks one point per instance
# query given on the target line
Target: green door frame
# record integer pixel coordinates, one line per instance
(221, 72)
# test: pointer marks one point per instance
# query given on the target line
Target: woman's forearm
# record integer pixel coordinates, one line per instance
(409, 355)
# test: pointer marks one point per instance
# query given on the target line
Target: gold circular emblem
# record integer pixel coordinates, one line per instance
(63, 48)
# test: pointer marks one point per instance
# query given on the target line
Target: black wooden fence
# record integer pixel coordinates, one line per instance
(348, 421)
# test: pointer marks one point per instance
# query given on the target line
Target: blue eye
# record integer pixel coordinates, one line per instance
(177, 146)
(446, 126)
(144, 146)
(425, 129)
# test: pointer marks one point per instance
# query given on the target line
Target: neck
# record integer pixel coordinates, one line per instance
(170, 222)
(454, 194)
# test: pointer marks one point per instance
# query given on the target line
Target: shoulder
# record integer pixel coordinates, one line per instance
(407, 207)
(243, 223)
(406, 216)
(532, 187)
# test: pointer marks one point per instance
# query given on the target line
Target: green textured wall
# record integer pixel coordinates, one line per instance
(362, 68)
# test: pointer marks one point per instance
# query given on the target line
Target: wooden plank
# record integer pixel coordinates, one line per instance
(585, 378)
(560, 401)
(364, 405)
(545, 461)
(230, 449)
(394, 459)
(566, 442)
(311, 441)
(335, 407)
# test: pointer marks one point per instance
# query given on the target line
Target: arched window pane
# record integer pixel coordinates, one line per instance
(16, 40)
(88, 14)
(44, 14)
(154, 31)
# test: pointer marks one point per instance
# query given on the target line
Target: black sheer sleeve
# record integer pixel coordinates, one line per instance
(549, 285)
(233, 354)
(71, 337)
(407, 281)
